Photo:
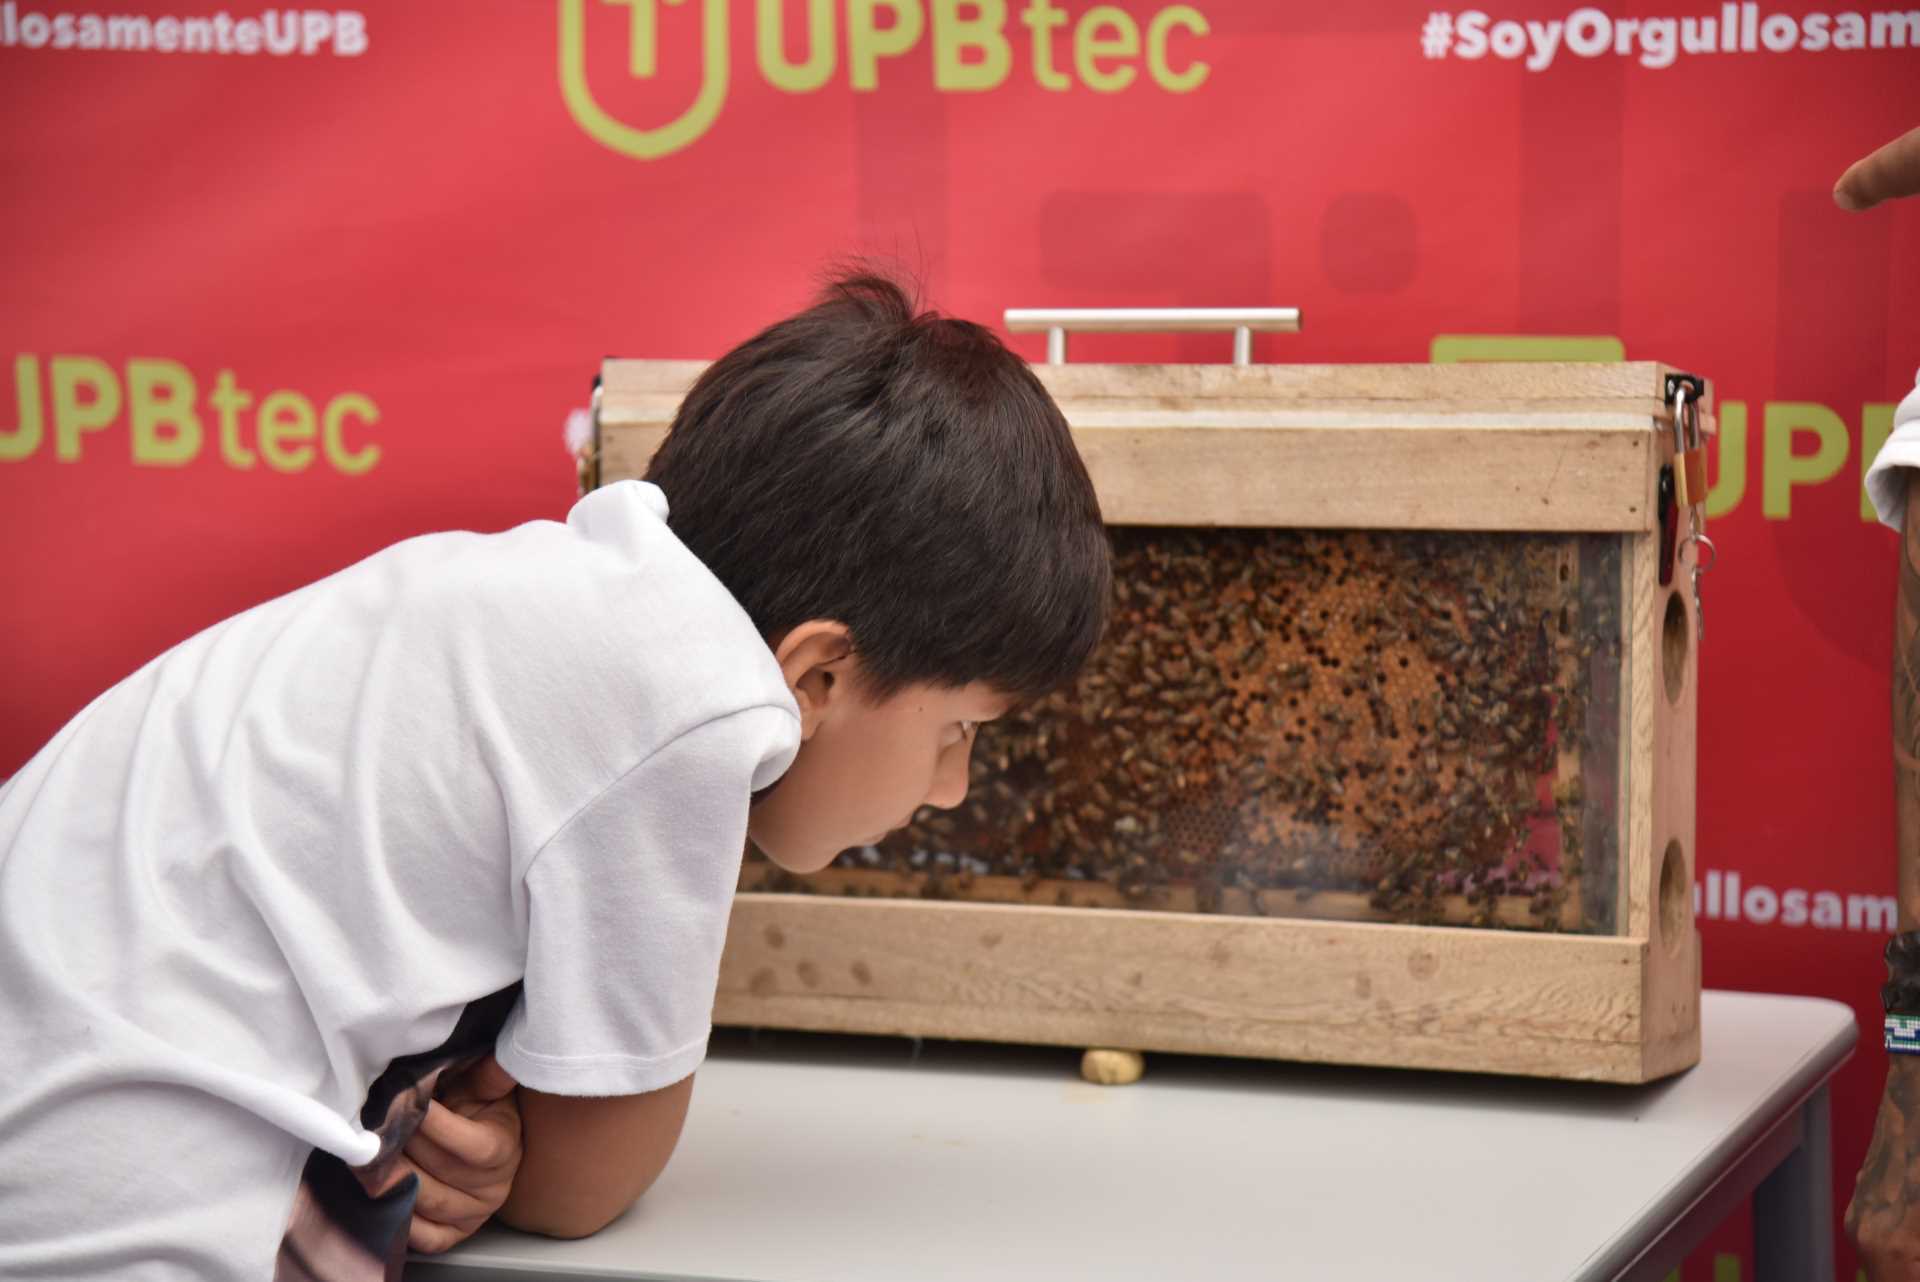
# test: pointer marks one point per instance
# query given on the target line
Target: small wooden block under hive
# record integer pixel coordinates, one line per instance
(1387, 758)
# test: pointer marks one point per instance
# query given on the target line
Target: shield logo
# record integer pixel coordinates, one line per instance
(643, 144)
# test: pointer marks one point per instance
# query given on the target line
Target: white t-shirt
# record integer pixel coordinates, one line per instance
(293, 847)
(1887, 478)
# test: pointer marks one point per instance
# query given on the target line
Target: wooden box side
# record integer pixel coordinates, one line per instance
(1661, 650)
(1637, 386)
(1626, 385)
(1564, 448)
(1399, 996)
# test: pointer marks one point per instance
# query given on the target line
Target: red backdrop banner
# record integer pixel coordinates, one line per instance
(285, 285)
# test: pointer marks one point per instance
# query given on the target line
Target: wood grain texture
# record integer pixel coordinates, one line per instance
(623, 380)
(1659, 764)
(1357, 474)
(633, 391)
(1639, 683)
(1405, 996)
(1671, 1004)
(1461, 475)
(1639, 384)
(1528, 446)
(625, 451)
(1492, 384)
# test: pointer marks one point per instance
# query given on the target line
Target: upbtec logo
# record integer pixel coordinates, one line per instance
(1102, 48)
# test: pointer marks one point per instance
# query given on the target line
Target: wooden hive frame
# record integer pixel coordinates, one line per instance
(1510, 447)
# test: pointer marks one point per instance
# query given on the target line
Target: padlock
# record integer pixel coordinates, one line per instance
(1689, 446)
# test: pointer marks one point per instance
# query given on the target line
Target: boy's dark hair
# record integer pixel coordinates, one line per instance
(904, 474)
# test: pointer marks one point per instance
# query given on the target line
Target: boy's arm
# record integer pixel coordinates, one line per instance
(587, 1158)
(627, 908)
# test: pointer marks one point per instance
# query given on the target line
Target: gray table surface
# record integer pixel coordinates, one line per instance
(813, 1158)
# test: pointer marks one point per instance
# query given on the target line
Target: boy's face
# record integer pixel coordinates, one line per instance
(865, 765)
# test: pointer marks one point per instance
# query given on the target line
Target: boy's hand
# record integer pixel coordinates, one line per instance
(465, 1153)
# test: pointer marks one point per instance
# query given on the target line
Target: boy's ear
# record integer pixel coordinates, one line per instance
(816, 658)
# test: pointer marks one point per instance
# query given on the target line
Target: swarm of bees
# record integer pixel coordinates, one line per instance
(1412, 727)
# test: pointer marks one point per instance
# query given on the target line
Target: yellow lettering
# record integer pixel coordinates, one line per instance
(771, 41)
(1042, 18)
(1195, 72)
(1448, 349)
(148, 408)
(286, 417)
(352, 462)
(642, 29)
(1089, 46)
(1729, 484)
(1780, 468)
(1876, 425)
(867, 42)
(71, 414)
(953, 34)
(25, 438)
(611, 132)
(228, 399)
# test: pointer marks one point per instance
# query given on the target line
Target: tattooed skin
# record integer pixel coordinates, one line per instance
(1884, 1217)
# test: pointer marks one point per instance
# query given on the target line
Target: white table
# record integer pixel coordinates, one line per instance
(813, 1158)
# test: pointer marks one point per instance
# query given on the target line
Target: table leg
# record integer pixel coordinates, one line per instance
(1793, 1206)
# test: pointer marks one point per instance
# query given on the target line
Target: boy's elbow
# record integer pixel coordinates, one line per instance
(565, 1218)
(558, 1226)
(588, 1159)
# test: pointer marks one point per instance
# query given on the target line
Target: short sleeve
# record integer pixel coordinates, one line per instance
(1887, 478)
(627, 909)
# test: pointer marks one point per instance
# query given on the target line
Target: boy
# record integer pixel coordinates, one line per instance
(262, 899)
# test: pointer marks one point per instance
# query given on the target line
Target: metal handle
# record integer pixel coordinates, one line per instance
(1057, 321)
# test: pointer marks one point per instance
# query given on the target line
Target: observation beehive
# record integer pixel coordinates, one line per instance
(1387, 757)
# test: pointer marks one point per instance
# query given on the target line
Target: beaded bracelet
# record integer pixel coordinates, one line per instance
(1903, 1035)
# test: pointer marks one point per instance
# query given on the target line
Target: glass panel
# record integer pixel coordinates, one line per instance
(1408, 727)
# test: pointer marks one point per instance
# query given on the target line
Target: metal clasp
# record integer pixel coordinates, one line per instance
(1685, 391)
